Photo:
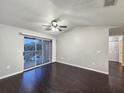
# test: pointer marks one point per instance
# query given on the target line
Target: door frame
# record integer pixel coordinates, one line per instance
(120, 48)
(36, 66)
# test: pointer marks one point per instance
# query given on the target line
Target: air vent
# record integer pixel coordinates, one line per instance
(110, 3)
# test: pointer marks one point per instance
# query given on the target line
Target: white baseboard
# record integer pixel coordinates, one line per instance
(6, 76)
(54, 62)
(37, 66)
(84, 67)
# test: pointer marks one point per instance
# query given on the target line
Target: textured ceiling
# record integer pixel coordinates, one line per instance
(31, 14)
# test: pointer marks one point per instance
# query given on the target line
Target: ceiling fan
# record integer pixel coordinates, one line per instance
(54, 26)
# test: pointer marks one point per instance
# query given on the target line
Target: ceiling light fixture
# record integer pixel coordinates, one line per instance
(54, 29)
(54, 24)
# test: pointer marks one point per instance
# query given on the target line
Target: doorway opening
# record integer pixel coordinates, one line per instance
(116, 48)
(37, 52)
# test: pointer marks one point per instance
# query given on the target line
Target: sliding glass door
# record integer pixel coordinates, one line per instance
(37, 52)
(29, 52)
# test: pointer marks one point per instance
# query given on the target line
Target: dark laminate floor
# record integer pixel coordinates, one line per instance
(60, 78)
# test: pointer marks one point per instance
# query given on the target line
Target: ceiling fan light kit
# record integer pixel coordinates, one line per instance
(54, 29)
(54, 26)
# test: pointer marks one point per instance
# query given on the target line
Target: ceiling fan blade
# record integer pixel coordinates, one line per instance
(48, 29)
(60, 30)
(47, 25)
(63, 26)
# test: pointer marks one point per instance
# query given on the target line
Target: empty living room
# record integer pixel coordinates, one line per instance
(61, 46)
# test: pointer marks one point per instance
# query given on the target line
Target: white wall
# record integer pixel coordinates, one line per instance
(84, 47)
(11, 49)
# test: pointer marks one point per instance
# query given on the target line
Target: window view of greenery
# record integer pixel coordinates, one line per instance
(46, 51)
(36, 52)
(29, 52)
(39, 48)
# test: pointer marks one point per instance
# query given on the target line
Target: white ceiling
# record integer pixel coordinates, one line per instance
(31, 14)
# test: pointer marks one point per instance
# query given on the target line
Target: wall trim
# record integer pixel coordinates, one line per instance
(84, 68)
(37, 66)
(9, 75)
(6, 76)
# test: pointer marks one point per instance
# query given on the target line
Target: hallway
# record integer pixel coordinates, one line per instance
(116, 77)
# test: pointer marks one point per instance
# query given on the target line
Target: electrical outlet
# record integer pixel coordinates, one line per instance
(99, 51)
(8, 67)
(93, 63)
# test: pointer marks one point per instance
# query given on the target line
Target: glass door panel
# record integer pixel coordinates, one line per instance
(36, 52)
(39, 56)
(46, 51)
(50, 51)
(29, 52)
